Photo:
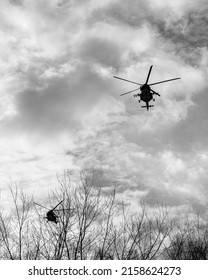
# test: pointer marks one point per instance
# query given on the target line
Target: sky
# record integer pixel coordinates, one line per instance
(61, 109)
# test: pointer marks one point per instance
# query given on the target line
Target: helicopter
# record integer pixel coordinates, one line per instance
(51, 215)
(147, 93)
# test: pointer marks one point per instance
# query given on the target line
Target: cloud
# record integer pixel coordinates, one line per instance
(58, 104)
(96, 46)
(157, 173)
(102, 51)
(58, 59)
(132, 13)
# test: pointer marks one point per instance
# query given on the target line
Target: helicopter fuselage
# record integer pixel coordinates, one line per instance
(145, 95)
(51, 216)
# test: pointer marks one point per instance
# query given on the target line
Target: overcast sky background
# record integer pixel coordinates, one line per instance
(60, 107)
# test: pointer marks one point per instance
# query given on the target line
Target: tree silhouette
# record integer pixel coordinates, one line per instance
(92, 225)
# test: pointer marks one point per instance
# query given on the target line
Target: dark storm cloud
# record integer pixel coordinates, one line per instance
(162, 196)
(130, 12)
(59, 103)
(191, 31)
(16, 2)
(187, 34)
(170, 198)
(102, 51)
(183, 35)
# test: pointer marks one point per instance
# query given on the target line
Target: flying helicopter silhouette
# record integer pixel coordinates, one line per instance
(51, 216)
(147, 93)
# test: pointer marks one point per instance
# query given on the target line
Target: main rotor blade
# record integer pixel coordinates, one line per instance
(57, 205)
(164, 81)
(148, 74)
(155, 92)
(129, 91)
(71, 209)
(127, 80)
(40, 205)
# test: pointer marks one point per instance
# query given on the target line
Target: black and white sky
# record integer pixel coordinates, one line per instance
(60, 107)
